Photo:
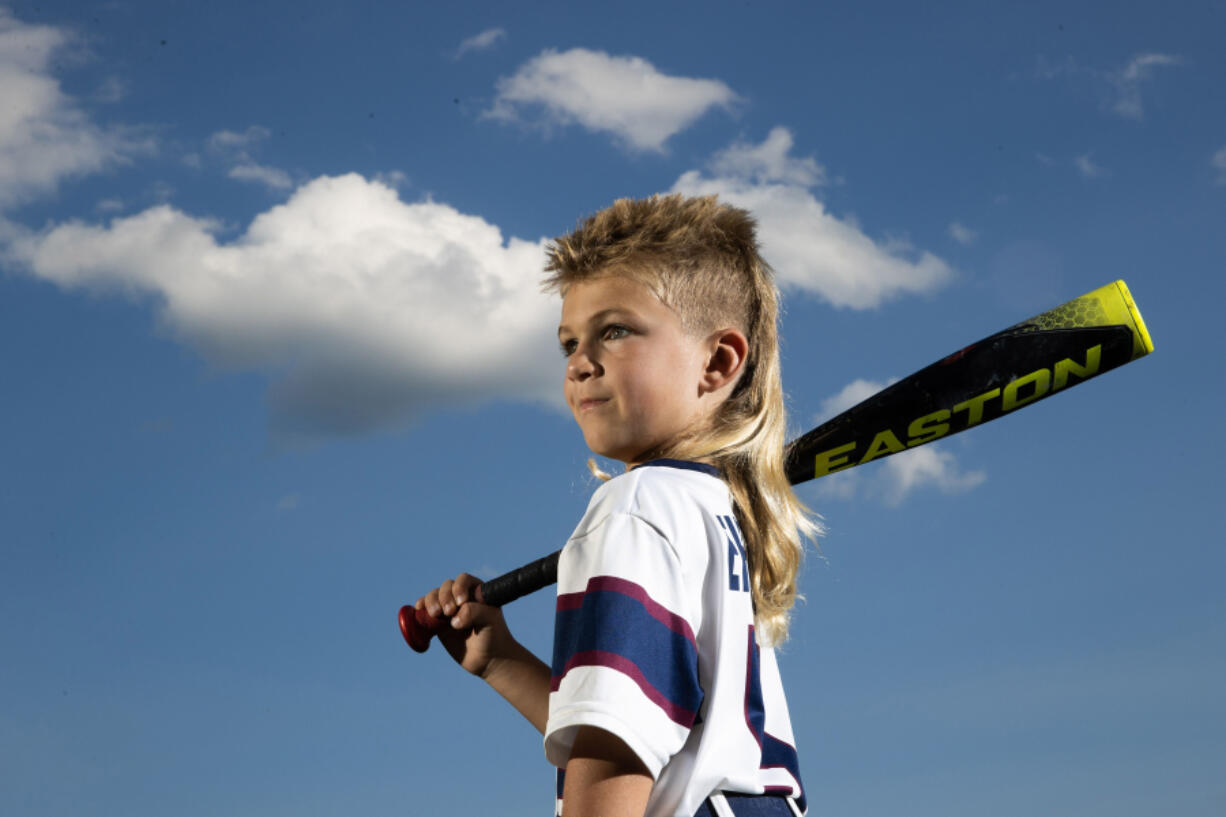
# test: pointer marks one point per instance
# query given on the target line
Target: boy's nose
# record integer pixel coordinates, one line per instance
(579, 366)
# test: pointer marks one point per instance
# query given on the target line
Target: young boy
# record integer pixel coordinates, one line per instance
(662, 697)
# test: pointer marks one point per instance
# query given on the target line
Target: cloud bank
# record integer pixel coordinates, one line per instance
(365, 310)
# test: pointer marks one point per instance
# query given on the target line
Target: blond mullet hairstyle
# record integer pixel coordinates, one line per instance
(701, 259)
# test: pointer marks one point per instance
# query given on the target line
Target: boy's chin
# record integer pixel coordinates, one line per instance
(609, 452)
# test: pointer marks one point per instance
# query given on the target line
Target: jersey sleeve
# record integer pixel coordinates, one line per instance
(625, 657)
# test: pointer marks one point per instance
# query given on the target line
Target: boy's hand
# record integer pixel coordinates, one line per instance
(475, 634)
(477, 637)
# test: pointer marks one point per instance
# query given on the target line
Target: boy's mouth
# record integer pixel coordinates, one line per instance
(591, 402)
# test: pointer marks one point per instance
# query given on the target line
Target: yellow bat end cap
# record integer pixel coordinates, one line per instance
(1142, 344)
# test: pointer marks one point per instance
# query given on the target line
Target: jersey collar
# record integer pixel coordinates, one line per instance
(686, 465)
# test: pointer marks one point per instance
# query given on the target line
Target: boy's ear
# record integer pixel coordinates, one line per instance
(726, 359)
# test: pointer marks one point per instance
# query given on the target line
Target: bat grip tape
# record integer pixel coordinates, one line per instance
(521, 581)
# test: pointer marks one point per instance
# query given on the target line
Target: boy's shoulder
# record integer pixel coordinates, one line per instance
(662, 493)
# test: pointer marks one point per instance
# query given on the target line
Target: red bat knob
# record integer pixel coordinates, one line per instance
(418, 627)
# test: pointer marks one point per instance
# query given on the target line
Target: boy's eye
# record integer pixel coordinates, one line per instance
(616, 332)
(568, 347)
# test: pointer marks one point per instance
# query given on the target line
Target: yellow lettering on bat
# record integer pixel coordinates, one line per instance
(836, 459)
(1094, 357)
(1010, 400)
(974, 407)
(928, 428)
(886, 442)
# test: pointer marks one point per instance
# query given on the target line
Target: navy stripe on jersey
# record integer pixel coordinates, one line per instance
(776, 753)
(614, 623)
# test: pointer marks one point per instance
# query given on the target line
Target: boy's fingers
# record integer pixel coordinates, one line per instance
(432, 605)
(450, 598)
(462, 620)
(476, 614)
(446, 597)
(463, 587)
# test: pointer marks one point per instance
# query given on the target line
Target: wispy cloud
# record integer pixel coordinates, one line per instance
(237, 149)
(225, 140)
(1218, 163)
(961, 233)
(111, 90)
(1129, 80)
(480, 42)
(1087, 168)
(268, 176)
(812, 250)
(45, 135)
(1120, 89)
(623, 96)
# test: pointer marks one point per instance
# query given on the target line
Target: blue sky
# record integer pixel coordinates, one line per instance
(274, 362)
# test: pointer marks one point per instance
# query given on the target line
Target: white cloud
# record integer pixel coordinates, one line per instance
(962, 234)
(268, 176)
(930, 465)
(769, 162)
(625, 96)
(45, 136)
(480, 42)
(899, 475)
(1120, 89)
(236, 149)
(365, 309)
(810, 249)
(1219, 164)
(1087, 167)
(854, 393)
(1127, 82)
(228, 140)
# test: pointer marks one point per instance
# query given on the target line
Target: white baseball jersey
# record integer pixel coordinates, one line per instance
(654, 642)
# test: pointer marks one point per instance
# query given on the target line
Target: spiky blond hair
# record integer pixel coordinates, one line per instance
(701, 259)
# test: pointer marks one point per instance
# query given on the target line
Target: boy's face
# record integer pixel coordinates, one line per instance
(633, 376)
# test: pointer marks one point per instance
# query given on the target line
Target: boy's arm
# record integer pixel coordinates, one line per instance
(604, 778)
(523, 679)
(479, 641)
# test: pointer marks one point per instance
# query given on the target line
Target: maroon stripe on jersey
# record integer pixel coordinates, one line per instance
(599, 658)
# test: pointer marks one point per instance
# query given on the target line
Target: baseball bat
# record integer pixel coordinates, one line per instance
(1016, 367)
